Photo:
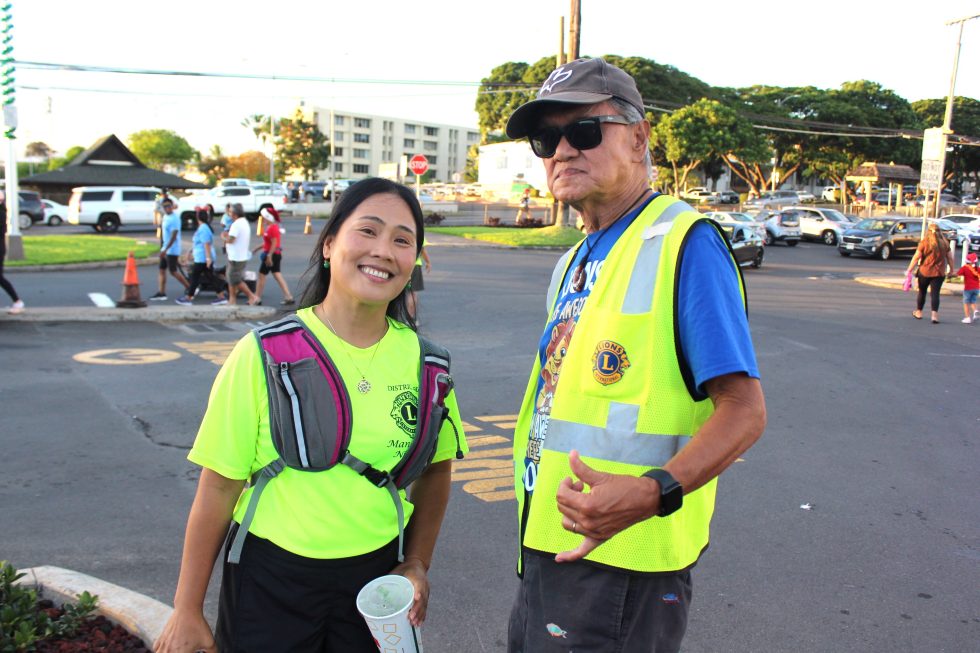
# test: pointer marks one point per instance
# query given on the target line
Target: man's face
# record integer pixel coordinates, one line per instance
(577, 176)
(168, 207)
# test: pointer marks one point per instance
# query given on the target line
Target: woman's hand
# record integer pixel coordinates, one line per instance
(186, 633)
(414, 570)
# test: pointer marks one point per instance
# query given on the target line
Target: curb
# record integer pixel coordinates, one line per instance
(198, 313)
(92, 265)
(895, 283)
(139, 614)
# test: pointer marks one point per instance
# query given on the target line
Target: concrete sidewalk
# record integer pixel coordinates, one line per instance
(168, 312)
(896, 283)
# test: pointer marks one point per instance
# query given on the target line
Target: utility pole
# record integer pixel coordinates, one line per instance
(574, 30)
(558, 208)
(15, 245)
(948, 119)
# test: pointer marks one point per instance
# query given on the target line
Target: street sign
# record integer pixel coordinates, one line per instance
(418, 164)
(932, 172)
(933, 144)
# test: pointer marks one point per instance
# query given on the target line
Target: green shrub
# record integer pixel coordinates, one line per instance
(23, 622)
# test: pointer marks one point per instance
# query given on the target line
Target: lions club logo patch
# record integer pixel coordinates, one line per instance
(609, 362)
(405, 412)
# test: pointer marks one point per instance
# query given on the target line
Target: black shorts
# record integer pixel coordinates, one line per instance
(417, 282)
(270, 263)
(274, 600)
(576, 606)
(169, 262)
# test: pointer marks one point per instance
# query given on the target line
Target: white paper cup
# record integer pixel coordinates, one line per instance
(384, 603)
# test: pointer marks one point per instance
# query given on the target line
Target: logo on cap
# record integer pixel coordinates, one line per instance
(557, 76)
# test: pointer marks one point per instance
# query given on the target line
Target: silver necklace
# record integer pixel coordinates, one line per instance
(363, 386)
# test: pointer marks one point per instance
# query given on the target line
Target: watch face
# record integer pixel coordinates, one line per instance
(671, 492)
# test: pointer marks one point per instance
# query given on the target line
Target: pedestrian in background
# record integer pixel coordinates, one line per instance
(971, 288)
(935, 260)
(271, 255)
(317, 537)
(18, 304)
(203, 256)
(169, 251)
(237, 248)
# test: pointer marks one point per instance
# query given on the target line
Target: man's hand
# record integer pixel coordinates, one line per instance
(613, 503)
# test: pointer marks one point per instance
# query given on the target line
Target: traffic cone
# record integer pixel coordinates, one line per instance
(308, 229)
(131, 286)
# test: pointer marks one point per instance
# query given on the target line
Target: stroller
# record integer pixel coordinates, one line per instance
(213, 279)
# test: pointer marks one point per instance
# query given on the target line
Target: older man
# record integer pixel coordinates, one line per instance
(645, 386)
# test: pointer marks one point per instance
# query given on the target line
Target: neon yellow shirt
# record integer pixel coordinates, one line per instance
(335, 513)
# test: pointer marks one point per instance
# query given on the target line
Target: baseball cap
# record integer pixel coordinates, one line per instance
(583, 81)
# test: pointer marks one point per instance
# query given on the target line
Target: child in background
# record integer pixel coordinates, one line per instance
(971, 288)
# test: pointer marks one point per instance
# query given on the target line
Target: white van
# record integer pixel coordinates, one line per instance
(106, 208)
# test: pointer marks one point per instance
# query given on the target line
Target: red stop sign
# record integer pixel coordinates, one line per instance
(418, 164)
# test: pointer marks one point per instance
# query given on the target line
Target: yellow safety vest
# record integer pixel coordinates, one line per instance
(624, 400)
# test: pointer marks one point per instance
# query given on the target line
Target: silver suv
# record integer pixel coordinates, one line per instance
(826, 225)
(774, 199)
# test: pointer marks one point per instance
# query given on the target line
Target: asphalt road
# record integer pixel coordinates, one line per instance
(873, 423)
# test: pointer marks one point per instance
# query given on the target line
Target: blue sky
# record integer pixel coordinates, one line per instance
(821, 44)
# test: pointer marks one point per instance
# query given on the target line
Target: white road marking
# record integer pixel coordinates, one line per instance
(799, 344)
(101, 300)
(956, 355)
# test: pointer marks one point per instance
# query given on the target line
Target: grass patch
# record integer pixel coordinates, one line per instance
(80, 248)
(516, 236)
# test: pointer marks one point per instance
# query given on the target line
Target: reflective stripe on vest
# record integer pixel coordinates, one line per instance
(617, 442)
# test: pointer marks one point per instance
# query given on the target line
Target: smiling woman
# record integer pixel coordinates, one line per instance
(341, 383)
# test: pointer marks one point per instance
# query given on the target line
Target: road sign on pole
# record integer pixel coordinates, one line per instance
(418, 164)
(931, 177)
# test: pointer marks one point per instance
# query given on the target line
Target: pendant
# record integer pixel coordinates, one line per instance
(578, 277)
(364, 386)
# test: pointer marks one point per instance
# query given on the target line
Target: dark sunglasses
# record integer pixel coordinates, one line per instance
(583, 134)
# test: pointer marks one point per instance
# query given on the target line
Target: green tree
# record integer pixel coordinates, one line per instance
(214, 166)
(260, 126)
(707, 131)
(963, 162)
(160, 147)
(301, 146)
(39, 149)
(58, 162)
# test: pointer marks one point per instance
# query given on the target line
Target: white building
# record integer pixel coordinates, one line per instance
(363, 142)
(502, 164)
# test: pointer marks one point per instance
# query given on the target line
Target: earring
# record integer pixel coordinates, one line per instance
(326, 264)
(409, 286)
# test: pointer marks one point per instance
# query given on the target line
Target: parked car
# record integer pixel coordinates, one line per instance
(31, 209)
(774, 199)
(825, 225)
(748, 247)
(728, 197)
(881, 237)
(695, 193)
(953, 231)
(945, 199)
(312, 190)
(782, 226)
(253, 199)
(806, 196)
(106, 208)
(54, 213)
(830, 194)
(339, 185)
(965, 220)
(737, 217)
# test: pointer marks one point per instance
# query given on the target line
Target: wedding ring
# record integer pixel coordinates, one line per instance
(575, 527)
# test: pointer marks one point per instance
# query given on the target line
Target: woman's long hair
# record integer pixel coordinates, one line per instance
(318, 277)
(935, 241)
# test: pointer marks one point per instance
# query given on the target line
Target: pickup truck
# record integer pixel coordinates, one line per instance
(251, 198)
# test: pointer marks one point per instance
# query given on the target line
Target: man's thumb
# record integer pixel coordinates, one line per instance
(581, 470)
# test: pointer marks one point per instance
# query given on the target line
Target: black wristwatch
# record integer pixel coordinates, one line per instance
(671, 492)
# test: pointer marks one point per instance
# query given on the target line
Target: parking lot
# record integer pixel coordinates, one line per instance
(850, 526)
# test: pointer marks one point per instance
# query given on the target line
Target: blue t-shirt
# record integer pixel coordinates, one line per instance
(171, 224)
(226, 221)
(203, 238)
(714, 329)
